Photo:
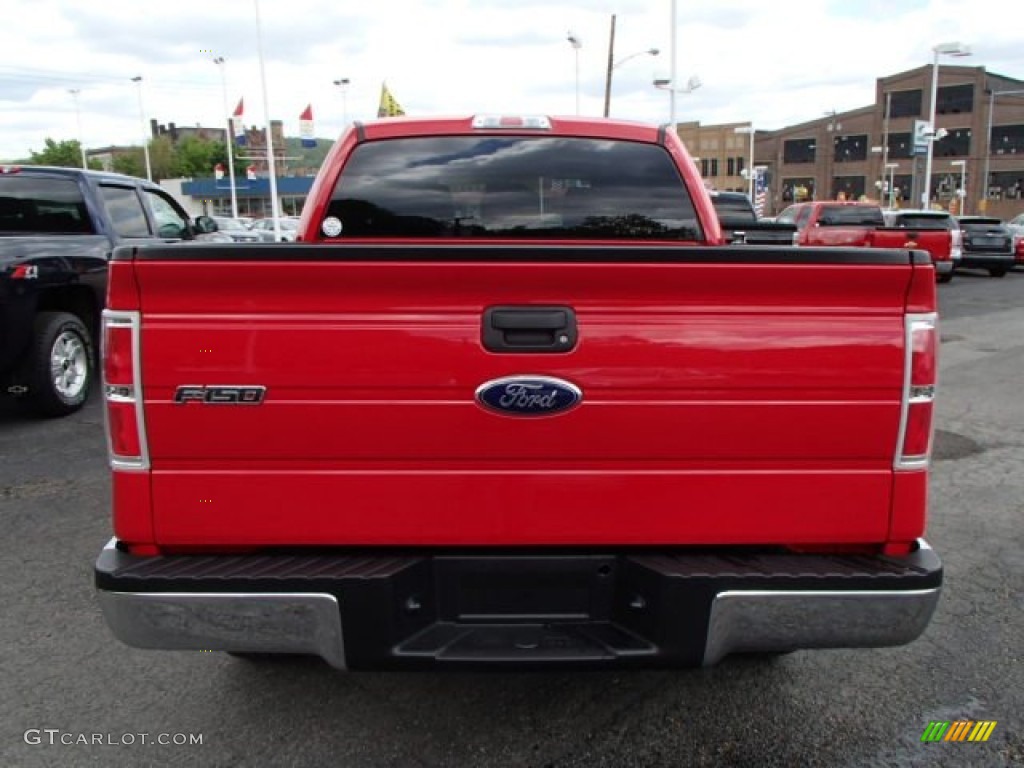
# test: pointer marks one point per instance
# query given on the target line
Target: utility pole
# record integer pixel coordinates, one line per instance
(611, 65)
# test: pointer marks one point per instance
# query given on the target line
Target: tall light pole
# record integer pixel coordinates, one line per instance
(750, 168)
(613, 65)
(947, 49)
(145, 129)
(891, 167)
(962, 164)
(832, 127)
(665, 84)
(576, 43)
(275, 208)
(343, 84)
(988, 137)
(78, 120)
(229, 136)
(673, 73)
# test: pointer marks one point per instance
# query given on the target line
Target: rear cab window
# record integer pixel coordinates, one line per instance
(42, 205)
(851, 216)
(733, 208)
(924, 221)
(513, 187)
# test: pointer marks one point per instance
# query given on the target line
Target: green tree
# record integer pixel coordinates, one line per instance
(130, 163)
(197, 157)
(163, 159)
(65, 154)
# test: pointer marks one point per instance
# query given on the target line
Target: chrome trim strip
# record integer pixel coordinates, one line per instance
(126, 319)
(759, 621)
(304, 623)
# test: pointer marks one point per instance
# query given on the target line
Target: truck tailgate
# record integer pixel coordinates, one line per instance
(722, 402)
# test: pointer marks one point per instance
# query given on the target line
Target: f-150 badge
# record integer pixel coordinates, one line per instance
(528, 395)
(220, 395)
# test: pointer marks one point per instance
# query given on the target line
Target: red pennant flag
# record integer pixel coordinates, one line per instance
(306, 127)
(238, 109)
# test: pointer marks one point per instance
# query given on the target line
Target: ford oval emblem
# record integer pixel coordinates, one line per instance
(528, 395)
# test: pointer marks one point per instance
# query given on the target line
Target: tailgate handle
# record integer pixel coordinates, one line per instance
(529, 329)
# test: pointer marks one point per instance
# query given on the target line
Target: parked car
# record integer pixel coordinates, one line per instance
(741, 226)
(265, 229)
(934, 231)
(237, 229)
(58, 227)
(833, 223)
(987, 244)
(1016, 225)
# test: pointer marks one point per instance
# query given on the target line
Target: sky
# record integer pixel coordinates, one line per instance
(774, 64)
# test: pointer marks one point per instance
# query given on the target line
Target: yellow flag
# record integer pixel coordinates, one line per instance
(388, 106)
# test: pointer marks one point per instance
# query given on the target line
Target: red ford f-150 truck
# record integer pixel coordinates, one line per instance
(856, 224)
(512, 401)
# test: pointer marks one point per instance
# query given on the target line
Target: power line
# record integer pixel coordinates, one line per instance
(27, 75)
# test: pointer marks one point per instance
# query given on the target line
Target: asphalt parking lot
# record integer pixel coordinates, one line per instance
(62, 670)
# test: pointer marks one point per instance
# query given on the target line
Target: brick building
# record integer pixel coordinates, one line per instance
(861, 144)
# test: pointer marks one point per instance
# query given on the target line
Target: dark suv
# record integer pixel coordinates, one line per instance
(987, 244)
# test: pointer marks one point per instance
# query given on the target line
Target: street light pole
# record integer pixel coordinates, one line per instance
(963, 184)
(275, 208)
(78, 121)
(343, 84)
(229, 137)
(892, 180)
(613, 65)
(949, 49)
(145, 132)
(750, 168)
(885, 135)
(988, 137)
(576, 43)
(673, 76)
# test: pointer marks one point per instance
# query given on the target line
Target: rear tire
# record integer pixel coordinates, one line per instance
(60, 366)
(1000, 272)
(946, 278)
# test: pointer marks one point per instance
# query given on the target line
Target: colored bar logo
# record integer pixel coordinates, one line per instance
(959, 730)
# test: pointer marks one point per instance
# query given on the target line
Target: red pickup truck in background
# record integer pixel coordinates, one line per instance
(852, 224)
(512, 401)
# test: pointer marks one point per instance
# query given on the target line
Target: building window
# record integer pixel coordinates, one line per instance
(797, 151)
(1006, 185)
(1007, 140)
(906, 103)
(797, 190)
(704, 167)
(900, 145)
(741, 163)
(847, 187)
(731, 164)
(850, 149)
(714, 167)
(954, 99)
(902, 183)
(956, 143)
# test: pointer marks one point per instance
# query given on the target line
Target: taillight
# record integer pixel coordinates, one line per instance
(126, 433)
(919, 379)
(955, 244)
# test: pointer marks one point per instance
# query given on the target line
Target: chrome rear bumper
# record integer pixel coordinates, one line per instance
(670, 608)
